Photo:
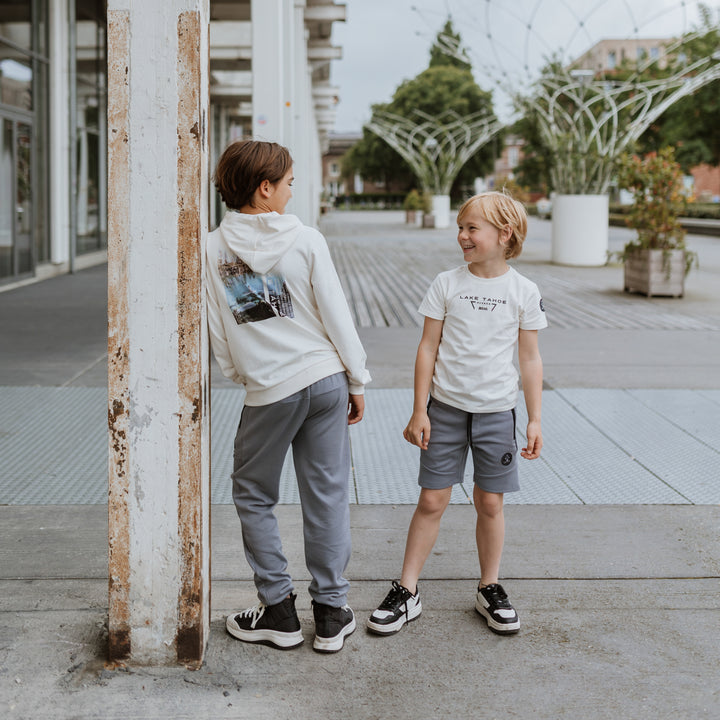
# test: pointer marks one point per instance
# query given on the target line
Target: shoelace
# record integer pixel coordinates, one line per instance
(255, 612)
(498, 596)
(395, 597)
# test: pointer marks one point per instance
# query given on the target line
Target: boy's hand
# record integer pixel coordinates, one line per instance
(417, 431)
(356, 408)
(534, 441)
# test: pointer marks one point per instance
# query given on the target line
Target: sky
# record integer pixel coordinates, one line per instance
(387, 41)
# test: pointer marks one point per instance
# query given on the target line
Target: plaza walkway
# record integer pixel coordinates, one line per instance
(612, 555)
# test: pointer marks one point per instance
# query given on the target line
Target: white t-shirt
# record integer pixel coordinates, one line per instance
(481, 317)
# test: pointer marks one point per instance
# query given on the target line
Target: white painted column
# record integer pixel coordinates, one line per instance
(302, 124)
(159, 479)
(268, 48)
(59, 84)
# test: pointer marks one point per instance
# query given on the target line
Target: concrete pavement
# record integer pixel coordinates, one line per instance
(619, 602)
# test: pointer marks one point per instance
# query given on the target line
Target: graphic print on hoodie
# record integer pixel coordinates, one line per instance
(253, 297)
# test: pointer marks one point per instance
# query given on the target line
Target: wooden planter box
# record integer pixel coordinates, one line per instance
(656, 272)
(428, 220)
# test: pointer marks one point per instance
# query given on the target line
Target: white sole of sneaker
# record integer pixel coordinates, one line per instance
(333, 644)
(281, 640)
(494, 625)
(392, 628)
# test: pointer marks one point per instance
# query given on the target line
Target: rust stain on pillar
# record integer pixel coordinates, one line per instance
(118, 342)
(190, 132)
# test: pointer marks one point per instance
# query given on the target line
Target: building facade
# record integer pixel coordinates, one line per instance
(269, 79)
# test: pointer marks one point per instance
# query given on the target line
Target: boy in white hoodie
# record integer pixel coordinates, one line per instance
(280, 326)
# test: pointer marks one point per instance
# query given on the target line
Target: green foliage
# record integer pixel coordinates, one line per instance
(413, 201)
(655, 182)
(448, 40)
(533, 171)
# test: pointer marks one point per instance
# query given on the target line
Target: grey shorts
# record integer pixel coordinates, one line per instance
(490, 436)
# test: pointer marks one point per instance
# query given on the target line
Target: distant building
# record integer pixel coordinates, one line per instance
(609, 54)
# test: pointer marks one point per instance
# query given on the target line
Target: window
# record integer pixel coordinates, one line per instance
(611, 60)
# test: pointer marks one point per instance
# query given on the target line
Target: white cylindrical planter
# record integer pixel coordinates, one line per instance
(441, 210)
(580, 229)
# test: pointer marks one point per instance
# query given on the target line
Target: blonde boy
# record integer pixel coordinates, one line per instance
(475, 315)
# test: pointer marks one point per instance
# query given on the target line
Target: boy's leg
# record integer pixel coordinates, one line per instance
(495, 462)
(489, 533)
(494, 451)
(262, 440)
(423, 533)
(321, 454)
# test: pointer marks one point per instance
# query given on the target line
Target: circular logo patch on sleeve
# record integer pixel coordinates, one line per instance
(542, 306)
(506, 459)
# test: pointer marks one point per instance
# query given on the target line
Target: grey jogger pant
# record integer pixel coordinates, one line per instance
(314, 421)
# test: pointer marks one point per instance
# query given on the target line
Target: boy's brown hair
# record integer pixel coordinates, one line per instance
(244, 165)
(501, 210)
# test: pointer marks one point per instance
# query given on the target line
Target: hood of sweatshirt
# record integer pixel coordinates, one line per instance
(259, 240)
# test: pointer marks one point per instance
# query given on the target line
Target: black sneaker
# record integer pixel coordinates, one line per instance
(276, 625)
(332, 626)
(493, 604)
(398, 607)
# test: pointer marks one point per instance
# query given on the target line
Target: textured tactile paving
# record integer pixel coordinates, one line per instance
(666, 449)
(601, 447)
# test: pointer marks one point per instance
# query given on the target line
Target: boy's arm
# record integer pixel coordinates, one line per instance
(218, 340)
(531, 371)
(337, 320)
(417, 431)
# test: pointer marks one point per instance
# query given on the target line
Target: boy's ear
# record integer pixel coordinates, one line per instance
(265, 188)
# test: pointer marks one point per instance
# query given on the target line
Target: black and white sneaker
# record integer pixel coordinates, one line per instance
(493, 604)
(276, 625)
(398, 607)
(332, 626)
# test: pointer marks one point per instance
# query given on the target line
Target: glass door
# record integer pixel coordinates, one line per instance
(16, 198)
(7, 187)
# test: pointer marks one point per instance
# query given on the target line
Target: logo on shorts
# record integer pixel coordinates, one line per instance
(506, 459)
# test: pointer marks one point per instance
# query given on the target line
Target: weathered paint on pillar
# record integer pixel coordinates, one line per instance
(158, 407)
(118, 404)
(194, 476)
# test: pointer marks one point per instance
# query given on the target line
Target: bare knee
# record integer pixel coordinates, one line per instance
(432, 503)
(487, 504)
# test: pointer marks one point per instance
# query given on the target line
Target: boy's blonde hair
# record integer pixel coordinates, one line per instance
(501, 210)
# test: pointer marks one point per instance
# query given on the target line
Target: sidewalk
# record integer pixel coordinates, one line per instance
(612, 556)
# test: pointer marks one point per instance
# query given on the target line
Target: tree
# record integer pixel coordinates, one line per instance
(446, 85)
(692, 125)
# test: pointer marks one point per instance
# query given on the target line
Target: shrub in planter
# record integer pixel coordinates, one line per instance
(656, 261)
(412, 203)
(428, 219)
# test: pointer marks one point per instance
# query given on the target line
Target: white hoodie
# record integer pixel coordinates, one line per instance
(278, 317)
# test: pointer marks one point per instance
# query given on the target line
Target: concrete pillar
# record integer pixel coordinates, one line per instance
(159, 479)
(59, 84)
